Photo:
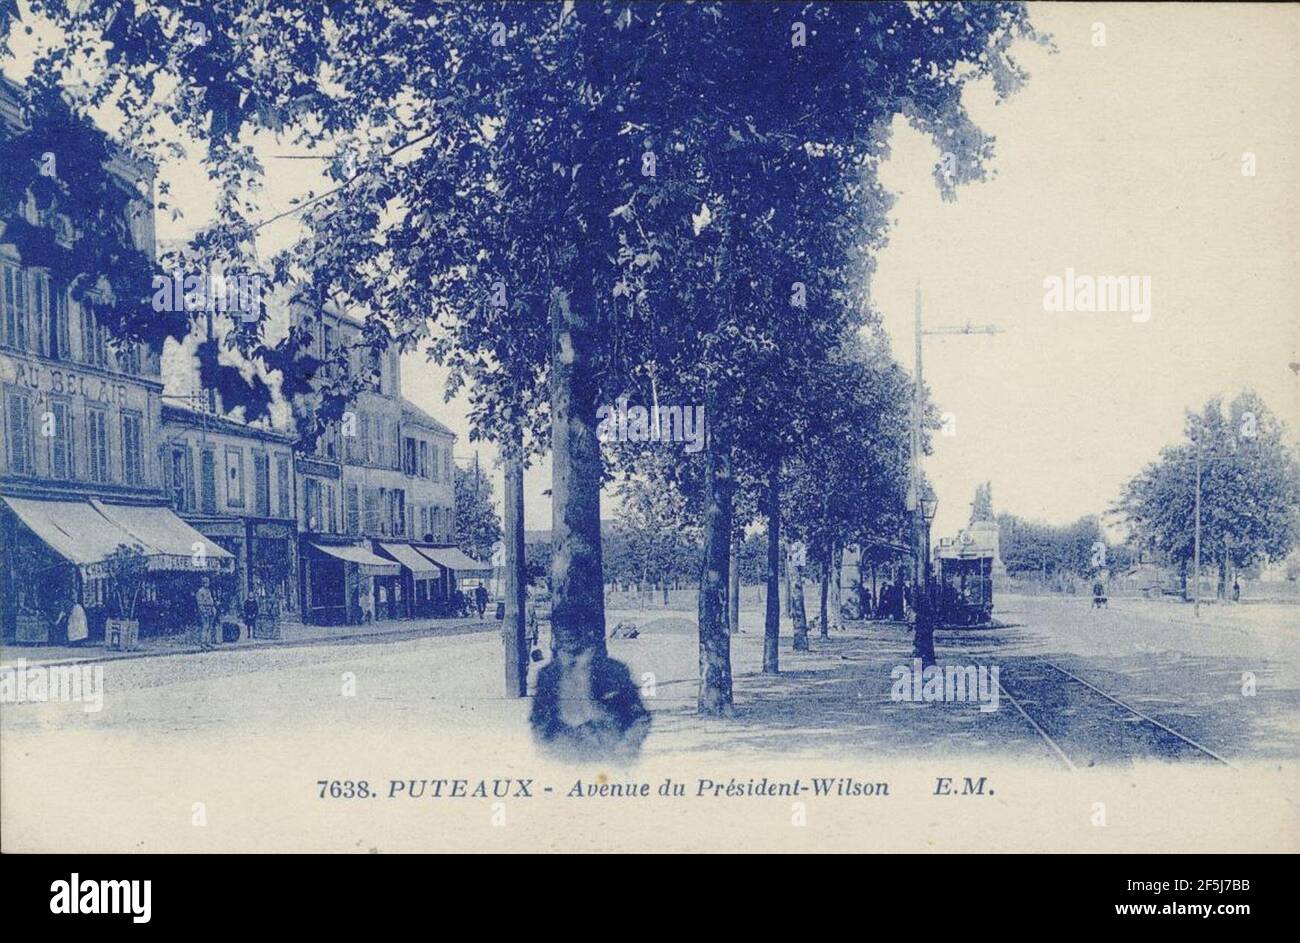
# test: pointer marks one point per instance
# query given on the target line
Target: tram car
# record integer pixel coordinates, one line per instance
(965, 583)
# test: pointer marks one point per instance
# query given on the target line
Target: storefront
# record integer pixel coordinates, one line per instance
(59, 553)
(461, 573)
(346, 583)
(419, 580)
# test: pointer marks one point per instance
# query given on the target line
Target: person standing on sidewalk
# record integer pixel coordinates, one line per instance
(480, 600)
(207, 614)
(250, 614)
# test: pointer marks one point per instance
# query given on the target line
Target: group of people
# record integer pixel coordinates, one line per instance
(894, 599)
(209, 619)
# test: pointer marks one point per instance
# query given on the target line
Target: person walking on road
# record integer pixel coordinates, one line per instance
(207, 614)
(481, 599)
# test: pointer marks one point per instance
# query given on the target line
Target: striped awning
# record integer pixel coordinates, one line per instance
(368, 564)
(421, 567)
(456, 560)
(86, 533)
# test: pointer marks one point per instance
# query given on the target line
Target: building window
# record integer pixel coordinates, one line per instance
(92, 335)
(234, 476)
(423, 466)
(42, 323)
(181, 479)
(364, 445)
(370, 520)
(129, 358)
(62, 331)
(18, 406)
(283, 485)
(61, 457)
(132, 449)
(353, 510)
(435, 476)
(396, 512)
(331, 512)
(262, 484)
(311, 501)
(97, 435)
(209, 473)
(13, 298)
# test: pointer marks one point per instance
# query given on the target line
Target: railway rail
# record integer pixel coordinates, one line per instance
(1163, 733)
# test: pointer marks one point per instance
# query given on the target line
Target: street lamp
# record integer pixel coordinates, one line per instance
(929, 504)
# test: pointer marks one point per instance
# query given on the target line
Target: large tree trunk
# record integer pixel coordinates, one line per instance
(772, 604)
(822, 610)
(715, 640)
(586, 704)
(514, 628)
(837, 588)
(789, 592)
(800, 614)
(733, 589)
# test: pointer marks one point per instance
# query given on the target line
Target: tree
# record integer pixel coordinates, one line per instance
(508, 143)
(478, 529)
(1249, 489)
(981, 509)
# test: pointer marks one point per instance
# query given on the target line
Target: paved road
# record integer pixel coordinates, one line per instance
(1191, 678)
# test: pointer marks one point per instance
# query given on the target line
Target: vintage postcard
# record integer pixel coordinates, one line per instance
(648, 427)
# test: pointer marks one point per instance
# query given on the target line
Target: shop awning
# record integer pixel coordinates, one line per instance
(369, 564)
(72, 529)
(171, 543)
(87, 533)
(454, 559)
(421, 567)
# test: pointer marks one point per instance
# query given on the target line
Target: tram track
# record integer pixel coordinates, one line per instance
(1164, 739)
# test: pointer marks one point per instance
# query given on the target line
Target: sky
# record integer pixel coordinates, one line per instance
(1117, 158)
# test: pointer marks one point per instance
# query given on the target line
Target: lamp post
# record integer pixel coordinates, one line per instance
(923, 637)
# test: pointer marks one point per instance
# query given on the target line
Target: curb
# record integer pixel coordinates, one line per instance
(268, 643)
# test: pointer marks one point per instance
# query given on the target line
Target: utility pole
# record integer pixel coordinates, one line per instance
(923, 631)
(923, 635)
(1196, 538)
(514, 624)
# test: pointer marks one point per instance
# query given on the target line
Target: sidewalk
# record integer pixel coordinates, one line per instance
(291, 634)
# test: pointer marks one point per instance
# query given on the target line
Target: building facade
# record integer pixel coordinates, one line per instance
(81, 414)
(234, 483)
(377, 493)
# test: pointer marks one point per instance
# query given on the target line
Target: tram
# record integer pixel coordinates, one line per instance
(964, 582)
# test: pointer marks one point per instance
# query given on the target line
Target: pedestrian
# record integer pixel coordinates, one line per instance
(866, 605)
(207, 606)
(1236, 590)
(481, 600)
(250, 614)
